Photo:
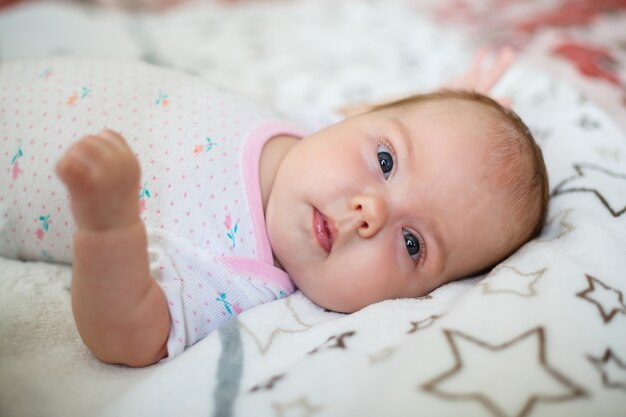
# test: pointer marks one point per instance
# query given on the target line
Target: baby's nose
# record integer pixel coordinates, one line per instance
(372, 213)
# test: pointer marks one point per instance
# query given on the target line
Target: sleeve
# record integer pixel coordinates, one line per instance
(201, 291)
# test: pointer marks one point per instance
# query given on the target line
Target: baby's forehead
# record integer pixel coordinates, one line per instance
(456, 107)
(473, 121)
(470, 121)
(479, 124)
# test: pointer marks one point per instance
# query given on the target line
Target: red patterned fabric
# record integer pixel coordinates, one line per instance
(584, 41)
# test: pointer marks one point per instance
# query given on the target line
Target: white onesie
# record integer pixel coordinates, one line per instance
(199, 148)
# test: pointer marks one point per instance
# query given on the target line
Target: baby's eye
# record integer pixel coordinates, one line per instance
(412, 244)
(385, 159)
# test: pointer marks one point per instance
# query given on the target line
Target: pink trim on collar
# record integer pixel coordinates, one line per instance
(251, 158)
(262, 272)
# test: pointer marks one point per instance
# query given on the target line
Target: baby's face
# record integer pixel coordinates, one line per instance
(389, 204)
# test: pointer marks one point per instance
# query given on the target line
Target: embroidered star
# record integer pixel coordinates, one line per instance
(338, 342)
(608, 186)
(609, 153)
(613, 370)
(517, 282)
(296, 408)
(422, 324)
(608, 300)
(382, 355)
(541, 134)
(557, 226)
(587, 123)
(266, 386)
(291, 323)
(507, 379)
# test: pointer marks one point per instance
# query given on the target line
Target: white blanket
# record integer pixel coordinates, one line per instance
(543, 334)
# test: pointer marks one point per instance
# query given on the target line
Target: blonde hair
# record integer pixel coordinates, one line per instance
(520, 167)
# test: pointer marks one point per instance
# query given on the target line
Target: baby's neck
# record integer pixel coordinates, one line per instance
(272, 156)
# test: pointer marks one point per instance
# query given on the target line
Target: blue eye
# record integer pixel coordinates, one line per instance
(385, 160)
(412, 244)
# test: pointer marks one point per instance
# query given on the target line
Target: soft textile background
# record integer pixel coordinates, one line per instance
(541, 335)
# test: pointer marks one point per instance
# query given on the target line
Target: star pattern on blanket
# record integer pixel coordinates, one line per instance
(422, 324)
(416, 326)
(518, 282)
(293, 324)
(382, 355)
(559, 225)
(541, 134)
(609, 153)
(480, 369)
(588, 123)
(297, 408)
(269, 384)
(608, 186)
(607, 299)
(612, 369)
(334, 342)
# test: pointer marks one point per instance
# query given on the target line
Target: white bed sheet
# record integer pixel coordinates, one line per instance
(541, 335)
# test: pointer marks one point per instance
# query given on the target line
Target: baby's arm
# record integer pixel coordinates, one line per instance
(120, 311)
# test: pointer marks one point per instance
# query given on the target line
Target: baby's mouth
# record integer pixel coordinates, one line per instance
(323, 230)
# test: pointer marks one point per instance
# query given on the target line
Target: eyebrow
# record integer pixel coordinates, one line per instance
(404, 136)
(432, 227)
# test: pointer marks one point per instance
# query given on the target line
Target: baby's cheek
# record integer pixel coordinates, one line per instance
(368, 278)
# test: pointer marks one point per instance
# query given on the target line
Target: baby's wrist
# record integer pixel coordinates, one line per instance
(124, 242)
(112, 217)
(111, 227)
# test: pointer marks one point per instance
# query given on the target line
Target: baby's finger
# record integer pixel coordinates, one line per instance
(116, 140)
(478, 58)
(473, 73)
(90, 148)
(112, 136)
(72, 165)
(502, 62)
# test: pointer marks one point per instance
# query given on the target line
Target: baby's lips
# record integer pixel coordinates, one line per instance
(333, 232)
(324, 230)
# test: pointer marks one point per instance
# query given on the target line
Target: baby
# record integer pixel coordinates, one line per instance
(237, 208)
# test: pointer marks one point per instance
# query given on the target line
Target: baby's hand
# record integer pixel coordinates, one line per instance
(482, 76)
(102, 175)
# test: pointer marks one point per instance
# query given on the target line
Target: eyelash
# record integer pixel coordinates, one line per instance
(422, 253)
(387, 144)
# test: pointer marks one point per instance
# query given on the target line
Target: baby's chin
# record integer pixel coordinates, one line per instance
(337, 306)
(327, 298)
